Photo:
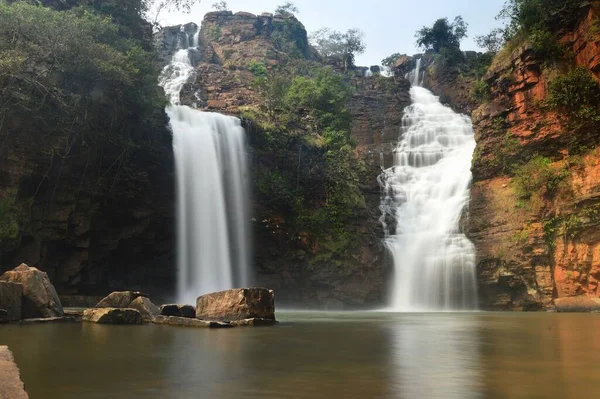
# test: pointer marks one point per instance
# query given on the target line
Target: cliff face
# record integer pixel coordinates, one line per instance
(531, 251)
(231, 46)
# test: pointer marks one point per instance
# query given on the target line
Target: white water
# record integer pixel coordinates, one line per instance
(425, 194)
(212, 192)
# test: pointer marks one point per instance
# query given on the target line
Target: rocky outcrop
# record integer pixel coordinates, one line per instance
(11, 386)
(119, 299)
(11, 299)
(577, 304)
(147, 309)
(237, 304)
(112, 316)
(533, 250)
(187, 311)
(39, 296)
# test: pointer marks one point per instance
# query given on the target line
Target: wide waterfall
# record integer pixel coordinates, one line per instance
(213, 246)
(424, 199)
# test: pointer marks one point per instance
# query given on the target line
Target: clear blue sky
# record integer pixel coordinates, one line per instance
(389, 25)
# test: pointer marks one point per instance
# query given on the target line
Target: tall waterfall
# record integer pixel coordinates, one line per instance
(424, 197)
(212, 191)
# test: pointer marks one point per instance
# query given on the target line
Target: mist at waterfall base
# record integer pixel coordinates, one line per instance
(213, 246)
(424, 198)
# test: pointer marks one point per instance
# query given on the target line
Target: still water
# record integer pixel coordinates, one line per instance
(318, 355)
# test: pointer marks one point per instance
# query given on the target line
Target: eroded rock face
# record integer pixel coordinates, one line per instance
(237, 304)
(112, 316)
(11, 299)
(39, 296)
(147, 309)
(577, 304)
(11, 386)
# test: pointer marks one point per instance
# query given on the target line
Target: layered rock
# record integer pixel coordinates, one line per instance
(112, 316)
(39, 296)
(147, 309)
(119, 299)
(11, 299)
(237, 304)
(577, 304)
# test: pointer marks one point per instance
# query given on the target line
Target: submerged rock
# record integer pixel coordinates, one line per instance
(39, 296)
(11, 385)
(178, 311)
(112, 316)
(187, 322)
(237, 304)
(11, 299)
(119, 299)
(254, 322)
(147, 309)
(577, 304)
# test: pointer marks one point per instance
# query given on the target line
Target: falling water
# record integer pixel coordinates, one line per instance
(212, 191)
(424, 197)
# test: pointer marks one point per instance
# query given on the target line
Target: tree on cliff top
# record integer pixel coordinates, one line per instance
(442, 35)
(220, 6)
(338, 45)
(287, 9)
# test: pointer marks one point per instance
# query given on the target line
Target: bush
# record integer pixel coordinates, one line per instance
(539, 177)
(481, 91)
(257, 68)
(574, 91)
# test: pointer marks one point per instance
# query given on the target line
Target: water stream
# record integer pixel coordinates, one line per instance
(424, 197)
(212, 190)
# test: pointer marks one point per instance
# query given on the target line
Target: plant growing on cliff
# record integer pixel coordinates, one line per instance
(286, 9)
(577, 93)
(539, 178)
(492, 42)
(442, 35)
(343, 47)
(220, 6)
(481, 91)
(9, 228)
(390, 61)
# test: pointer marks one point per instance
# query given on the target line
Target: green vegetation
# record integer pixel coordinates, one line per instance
(289, 36)
(257, 68)
(306, 165)
(492, 42)
(338, 46)
(287, 9)
(539, 177)
(442, 35)
(481, 91)
(390, 61)
(220, 6)
(9, 228)
(577, 93)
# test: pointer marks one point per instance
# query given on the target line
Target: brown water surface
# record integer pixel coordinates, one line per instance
(318, 355)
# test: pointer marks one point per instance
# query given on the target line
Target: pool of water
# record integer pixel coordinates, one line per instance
(318, 355)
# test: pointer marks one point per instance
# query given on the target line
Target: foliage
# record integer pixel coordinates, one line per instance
(539, 177)
(337, 45)
(391, 60)
(481, 91)
(257, 68)
(220, 6)
(9, 228)
(289, 36)
(492, 42)
(442, 35)
(575, 91)
(158, 6)
(306, 165)
(286, 9)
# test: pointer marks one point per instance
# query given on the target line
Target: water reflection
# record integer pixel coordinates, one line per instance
(317, 355)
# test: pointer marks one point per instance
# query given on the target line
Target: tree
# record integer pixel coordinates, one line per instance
(337, 45)
(220, 6)
(442, 35)
(390, 61)
(492, 42)
(158, 6)
(287, 9)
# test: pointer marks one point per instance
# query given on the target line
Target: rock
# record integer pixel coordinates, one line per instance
(178, 311)
(11, 299)
(39, 296)
(119, 299)
(11, 386)
(577, 304)
(112, 316)
(79, 301)
(50, 320)
(3, 316)
(375, 69)
(187, 322)
(147, 309)
(254, 322)
(237, 304)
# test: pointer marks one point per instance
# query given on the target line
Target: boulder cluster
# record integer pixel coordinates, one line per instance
(26, 293)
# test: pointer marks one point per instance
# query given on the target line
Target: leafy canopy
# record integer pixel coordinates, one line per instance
(442, 35)
(337, 45)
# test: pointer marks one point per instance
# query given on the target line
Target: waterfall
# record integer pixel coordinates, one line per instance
(213, 247)
(424, 197)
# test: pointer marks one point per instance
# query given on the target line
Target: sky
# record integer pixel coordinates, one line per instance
(389, 25)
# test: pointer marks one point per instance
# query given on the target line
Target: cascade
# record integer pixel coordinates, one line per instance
(424, 197)
(213, 247)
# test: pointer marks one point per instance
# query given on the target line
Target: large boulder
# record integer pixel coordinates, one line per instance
(11, 299)
(174, 310)
(147, 309)
(237, 304)
(577, 304)
(112, 316)
(39, 296)
(11, 386)
(119, 299)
